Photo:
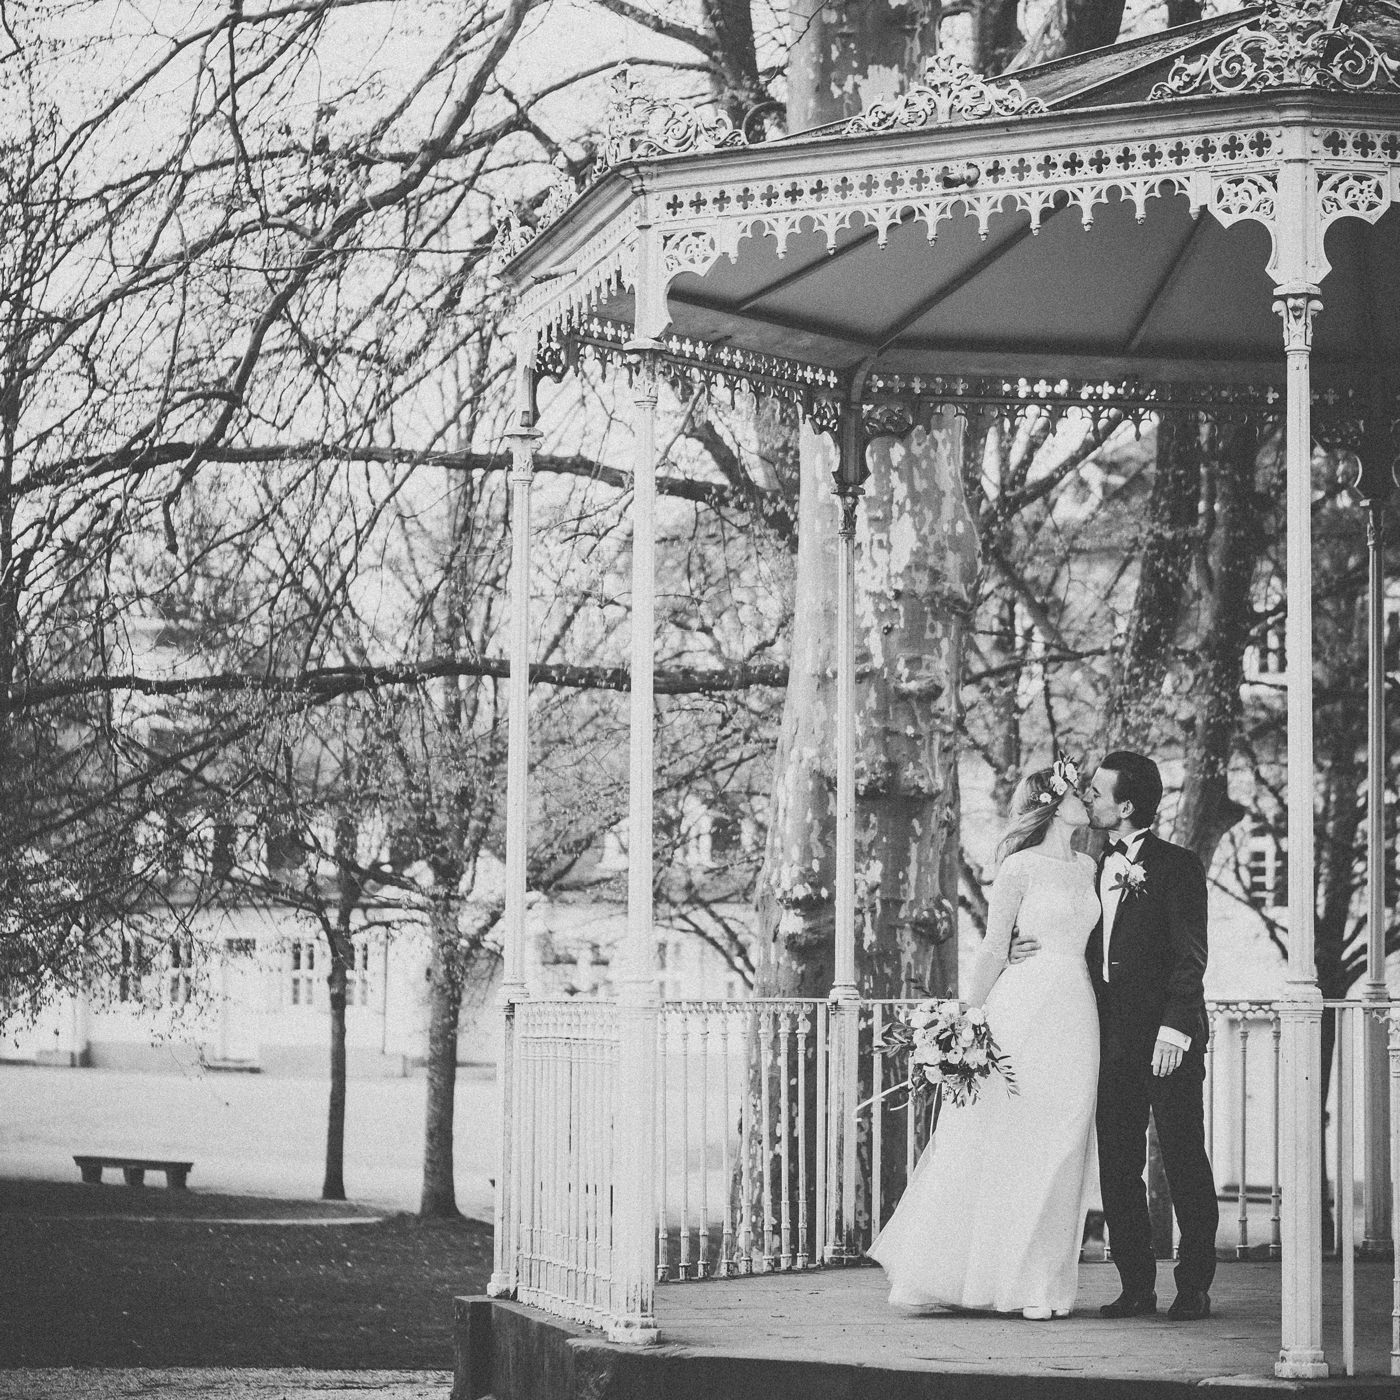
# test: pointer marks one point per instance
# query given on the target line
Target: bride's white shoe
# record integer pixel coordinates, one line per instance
(1043, 1314)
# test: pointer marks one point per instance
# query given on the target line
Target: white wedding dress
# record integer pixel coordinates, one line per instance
(994, 1214)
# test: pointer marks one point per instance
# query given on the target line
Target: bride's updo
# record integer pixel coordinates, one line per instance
(1033, 806)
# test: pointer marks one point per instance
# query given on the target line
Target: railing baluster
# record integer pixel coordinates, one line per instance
(702, 1266)
(765, 1030)
(558, 1163)
(911, 1142)
(785, 1136)
(877, 1117)
(823, 1186)
(664, 1023)
(850, 1202)
(610, 1296)
(572, 1185)
(1276, 1189)
(804, 1027)
(683, 1027)
(746, 1149)
(536, 1158)
(726, 1240)
(1346, 1194)
(1242, 1244)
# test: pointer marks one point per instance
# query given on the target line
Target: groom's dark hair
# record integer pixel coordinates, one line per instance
(1135, 780)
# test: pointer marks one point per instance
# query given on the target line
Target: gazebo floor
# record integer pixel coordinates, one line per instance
(824, 1334)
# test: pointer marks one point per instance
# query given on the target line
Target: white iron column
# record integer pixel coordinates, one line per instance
(632, 1315)
(522, 451)
(845, 1009)
(1301, 1353)
(1375, 1059)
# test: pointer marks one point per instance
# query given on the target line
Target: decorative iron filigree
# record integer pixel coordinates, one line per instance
(551, 361)
(640, 124)
(950, 91)
(887, 420)
(1295, 43)
(561, 194)
(513, 235)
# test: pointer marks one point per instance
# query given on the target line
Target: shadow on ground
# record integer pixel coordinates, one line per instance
(115, 1276)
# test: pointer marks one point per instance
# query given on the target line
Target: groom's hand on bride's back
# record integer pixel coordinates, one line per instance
(1023, 946)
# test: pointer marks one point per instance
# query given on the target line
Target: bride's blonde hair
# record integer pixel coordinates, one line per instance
(1033, 807)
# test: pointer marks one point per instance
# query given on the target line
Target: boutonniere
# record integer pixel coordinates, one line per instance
(1129, 881)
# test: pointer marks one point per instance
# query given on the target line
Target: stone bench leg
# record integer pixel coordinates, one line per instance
(92, 1173)
(175, 1178)
(135, 1176)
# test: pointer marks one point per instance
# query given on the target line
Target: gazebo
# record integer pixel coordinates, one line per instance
(1200, 219)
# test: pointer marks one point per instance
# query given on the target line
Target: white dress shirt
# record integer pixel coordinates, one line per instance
(1110, 895)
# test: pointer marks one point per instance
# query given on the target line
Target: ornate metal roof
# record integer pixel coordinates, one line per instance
(944, 232)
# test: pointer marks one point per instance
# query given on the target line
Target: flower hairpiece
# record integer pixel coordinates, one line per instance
(1064, 778)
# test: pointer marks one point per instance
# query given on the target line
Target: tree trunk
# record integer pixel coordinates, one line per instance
(439, 1198)
(846, 55)
(919, 574)
(795, 952)
(1206, 810)
(1172, 519)
(350, 890)
(333, 1186)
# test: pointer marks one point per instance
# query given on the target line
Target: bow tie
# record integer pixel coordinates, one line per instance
(1118, 848)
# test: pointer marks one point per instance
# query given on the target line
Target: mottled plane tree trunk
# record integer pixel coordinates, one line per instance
(917, 563)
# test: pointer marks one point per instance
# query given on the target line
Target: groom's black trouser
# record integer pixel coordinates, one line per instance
(1128, 1091)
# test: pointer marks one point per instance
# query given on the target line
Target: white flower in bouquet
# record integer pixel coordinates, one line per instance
(950, 1048)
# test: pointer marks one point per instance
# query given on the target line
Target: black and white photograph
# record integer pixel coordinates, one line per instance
(696, 699)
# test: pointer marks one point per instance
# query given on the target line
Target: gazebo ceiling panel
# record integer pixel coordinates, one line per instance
(872, 291)
(1081, 289)
(1121, 293)
(1117, 297)
(1215, 299)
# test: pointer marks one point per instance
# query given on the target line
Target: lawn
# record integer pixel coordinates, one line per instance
(114, 1276)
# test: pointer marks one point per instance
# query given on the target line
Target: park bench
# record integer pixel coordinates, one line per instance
(134, 1169)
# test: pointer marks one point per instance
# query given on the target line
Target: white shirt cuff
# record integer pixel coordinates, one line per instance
(1174, 1037)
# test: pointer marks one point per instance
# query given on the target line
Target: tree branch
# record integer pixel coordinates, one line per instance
(328, 683)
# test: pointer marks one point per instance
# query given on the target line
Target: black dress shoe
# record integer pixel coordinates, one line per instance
(1130, 1305)
(1191, 1305)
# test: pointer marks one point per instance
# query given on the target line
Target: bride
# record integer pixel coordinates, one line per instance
(994, 1214)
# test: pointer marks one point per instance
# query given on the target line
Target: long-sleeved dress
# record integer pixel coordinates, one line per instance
(994, 1214)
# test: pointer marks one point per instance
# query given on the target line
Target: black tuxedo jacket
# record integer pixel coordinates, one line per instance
(1157, 952)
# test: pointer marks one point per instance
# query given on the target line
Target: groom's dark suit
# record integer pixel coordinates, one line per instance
(1157, 958)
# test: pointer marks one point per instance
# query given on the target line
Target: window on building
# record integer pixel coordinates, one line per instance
(1266, 864)
(130, 968)
(357, 976)
(303, 973)
(180, 977)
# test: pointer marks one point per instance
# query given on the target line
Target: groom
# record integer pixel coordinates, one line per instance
(1147, 957)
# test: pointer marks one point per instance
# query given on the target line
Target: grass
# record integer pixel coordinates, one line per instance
(83, 1283)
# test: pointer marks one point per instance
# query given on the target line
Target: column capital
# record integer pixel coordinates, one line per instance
(848, 495)
(522, 440)
(640, 356)
(1297, 303)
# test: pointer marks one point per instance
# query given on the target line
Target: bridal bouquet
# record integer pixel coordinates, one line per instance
(950, 1047)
